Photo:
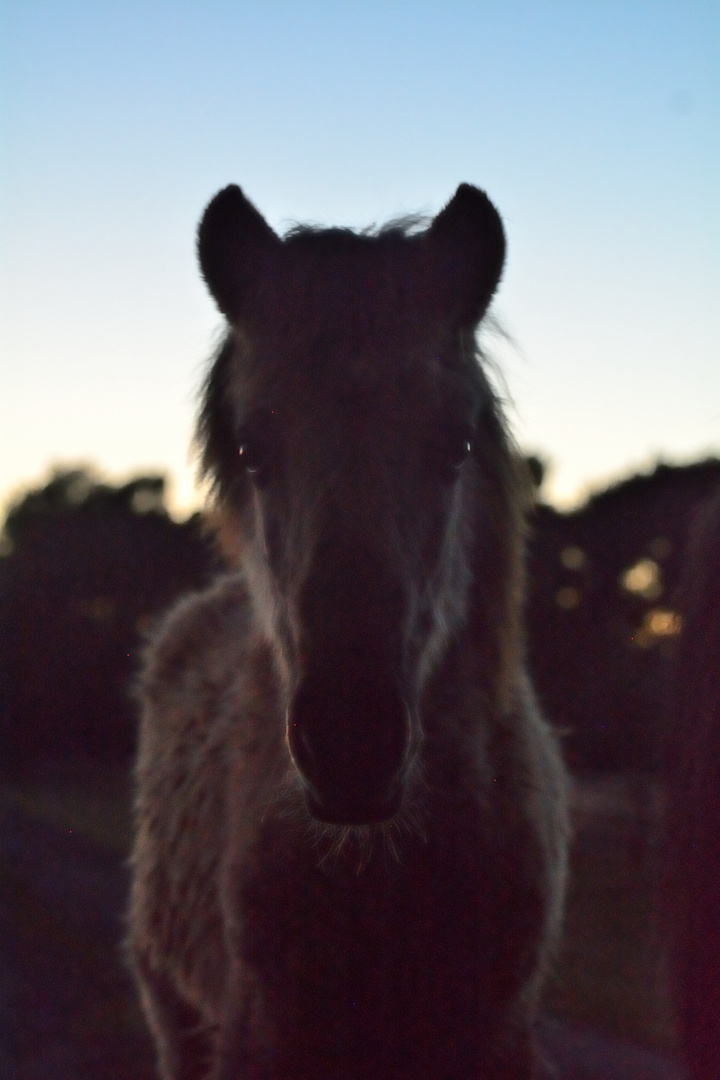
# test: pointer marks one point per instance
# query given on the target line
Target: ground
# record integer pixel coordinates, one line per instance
(69, 1011)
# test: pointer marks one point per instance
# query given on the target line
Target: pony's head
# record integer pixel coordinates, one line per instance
(353, 443)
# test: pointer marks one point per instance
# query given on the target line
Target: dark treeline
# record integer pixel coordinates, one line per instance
(89, 565)
(603, 621)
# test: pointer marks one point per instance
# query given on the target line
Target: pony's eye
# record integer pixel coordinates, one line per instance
(255, 442)
(464, 449)
(449, 445)
(250, 459)
(453, 446)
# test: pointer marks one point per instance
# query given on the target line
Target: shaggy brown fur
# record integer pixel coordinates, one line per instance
(693, 770)
(351, 819)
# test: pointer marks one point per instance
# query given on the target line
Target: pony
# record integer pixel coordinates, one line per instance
(692, 773)
(351, 820)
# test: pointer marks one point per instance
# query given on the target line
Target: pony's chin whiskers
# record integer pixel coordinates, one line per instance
(354, 846)
(351, 846)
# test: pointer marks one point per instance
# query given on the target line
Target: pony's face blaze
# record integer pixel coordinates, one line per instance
(341, 422)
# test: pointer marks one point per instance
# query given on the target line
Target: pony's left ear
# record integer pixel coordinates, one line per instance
(233, 241)
(467, 250)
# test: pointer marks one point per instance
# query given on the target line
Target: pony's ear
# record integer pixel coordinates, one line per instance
(467, 251)
(233, 240)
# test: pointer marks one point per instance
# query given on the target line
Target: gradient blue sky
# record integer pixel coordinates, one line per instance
(594, 127)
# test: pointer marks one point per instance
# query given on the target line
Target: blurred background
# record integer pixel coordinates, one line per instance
(594, 129)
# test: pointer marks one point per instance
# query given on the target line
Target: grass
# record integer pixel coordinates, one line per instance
(612, 968)
(92, 801)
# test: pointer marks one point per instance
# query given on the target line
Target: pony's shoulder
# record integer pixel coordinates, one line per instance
(199, 641)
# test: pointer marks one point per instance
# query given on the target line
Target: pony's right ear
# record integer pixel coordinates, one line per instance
(467, 245)
(233, 239)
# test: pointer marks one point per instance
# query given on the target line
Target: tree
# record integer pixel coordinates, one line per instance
(90, 565)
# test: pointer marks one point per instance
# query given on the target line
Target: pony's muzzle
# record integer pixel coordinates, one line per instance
(350, 741)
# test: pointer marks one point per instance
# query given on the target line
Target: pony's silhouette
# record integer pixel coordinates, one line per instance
(351, 819)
